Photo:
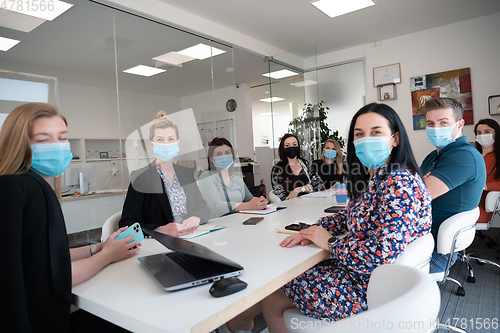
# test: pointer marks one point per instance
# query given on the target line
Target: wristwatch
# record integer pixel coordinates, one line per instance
(303, 189)
(331, 243)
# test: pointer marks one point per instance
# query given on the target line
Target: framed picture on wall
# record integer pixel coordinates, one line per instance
(103, 154)
(386, 75)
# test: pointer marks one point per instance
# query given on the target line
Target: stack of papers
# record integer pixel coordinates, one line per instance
(320, 194)
(203, 230)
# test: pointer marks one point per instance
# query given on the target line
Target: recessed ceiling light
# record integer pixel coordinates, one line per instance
(272, 99)
(173, 58)
(7, 43)
(303, 83)
(201, 51)
(18, 21)
(280, 74)
(335, 8)
(45, 10)
(144, 70)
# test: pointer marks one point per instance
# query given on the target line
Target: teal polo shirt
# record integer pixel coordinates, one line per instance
(461, 167)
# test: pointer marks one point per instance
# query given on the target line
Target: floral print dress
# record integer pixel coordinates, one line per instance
(394, 210)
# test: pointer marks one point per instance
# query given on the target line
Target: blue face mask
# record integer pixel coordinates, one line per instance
(51, 159)
(330, 153)
(165, 151)
(224, 162)
(440, 137)
(372, 151)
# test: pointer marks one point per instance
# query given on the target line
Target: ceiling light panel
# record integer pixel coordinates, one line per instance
(201, 51)
(173, 58)
(144, 70)
(7, 43)
(16, 21)
(272, 99)
(46, 10)
(334, 8)
(280, 74)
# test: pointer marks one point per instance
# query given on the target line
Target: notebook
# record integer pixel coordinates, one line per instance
(189, 265)
(203, 230)
(269, 209)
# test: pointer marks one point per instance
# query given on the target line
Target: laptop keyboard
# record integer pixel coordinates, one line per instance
(199, 268)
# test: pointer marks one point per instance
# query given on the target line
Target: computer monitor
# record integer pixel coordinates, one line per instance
(81, 175)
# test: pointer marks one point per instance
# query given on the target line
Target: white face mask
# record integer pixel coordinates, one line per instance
(485, 140)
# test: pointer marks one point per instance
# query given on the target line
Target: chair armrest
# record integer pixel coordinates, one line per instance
(491, 201)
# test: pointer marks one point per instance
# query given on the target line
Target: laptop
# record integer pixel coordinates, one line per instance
(190, 264)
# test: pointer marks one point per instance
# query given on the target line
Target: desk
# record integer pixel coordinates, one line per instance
(125, 294)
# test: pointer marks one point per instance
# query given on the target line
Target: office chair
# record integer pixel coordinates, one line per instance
(396, 294)
(273, 197)
(110, 226)
(455, 234)
(492, 204)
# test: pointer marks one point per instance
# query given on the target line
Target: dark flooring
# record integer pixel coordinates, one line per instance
(477, 311)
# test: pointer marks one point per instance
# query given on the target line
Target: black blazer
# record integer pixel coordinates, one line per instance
(147, 200)
(36, 274)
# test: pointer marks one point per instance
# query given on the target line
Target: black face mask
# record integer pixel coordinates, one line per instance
(292, 152)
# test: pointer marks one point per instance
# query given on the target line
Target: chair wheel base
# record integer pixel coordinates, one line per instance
(460, 291)
(471, 279)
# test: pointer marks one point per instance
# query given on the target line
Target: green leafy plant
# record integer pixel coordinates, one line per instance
(312, 130)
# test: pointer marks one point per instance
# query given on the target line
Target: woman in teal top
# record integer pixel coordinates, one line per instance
(224, 192)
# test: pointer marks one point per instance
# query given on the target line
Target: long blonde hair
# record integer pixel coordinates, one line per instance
(338, 159)
(15, 147)
(162, 121)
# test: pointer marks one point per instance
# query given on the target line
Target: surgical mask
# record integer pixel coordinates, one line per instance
(440, 137)
(51, 159)
(292, 152)
(165, 152)
(330, 153)
(485, 140)
(224, 162)
(373, 151)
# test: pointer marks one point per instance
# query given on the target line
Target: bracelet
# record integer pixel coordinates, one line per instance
(93, 249)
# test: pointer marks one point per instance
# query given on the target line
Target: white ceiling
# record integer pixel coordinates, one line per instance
(295, 24)
(78, 45)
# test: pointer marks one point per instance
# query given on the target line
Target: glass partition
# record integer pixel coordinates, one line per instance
(81, 61)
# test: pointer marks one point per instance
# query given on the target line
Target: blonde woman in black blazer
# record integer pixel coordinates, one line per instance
(164, 196)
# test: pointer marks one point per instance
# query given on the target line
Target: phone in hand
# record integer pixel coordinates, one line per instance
(134, 229)
(297, 227)
(253, 221)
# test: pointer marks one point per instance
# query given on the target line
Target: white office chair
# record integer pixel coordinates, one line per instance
(396, 294)
(273, 197)
(492, 204)
(110, 226)
(418, 253)
(455, 234)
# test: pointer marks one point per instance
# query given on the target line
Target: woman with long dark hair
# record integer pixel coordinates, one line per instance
(485, 131)
(292, 175)
(224, 192)
(389, 208)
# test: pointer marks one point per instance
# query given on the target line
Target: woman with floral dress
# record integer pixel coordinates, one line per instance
(164, 196)
(389, 207)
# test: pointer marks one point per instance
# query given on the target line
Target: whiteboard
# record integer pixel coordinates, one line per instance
(210, 130)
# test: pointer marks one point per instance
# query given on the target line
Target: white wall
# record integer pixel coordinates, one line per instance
(473, 43)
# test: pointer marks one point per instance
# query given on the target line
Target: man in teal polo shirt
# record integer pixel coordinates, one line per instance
(455, 173)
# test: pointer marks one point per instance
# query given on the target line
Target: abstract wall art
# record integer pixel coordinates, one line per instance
(454, 84)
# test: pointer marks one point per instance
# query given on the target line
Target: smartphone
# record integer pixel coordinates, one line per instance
(134, 229)
(297, 227)
(253, 220)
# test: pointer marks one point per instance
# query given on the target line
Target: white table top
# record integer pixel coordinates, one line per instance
(125, 294)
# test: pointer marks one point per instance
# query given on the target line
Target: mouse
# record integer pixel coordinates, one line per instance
(227, 286)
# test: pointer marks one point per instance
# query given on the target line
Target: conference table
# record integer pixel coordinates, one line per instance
(126, 295)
